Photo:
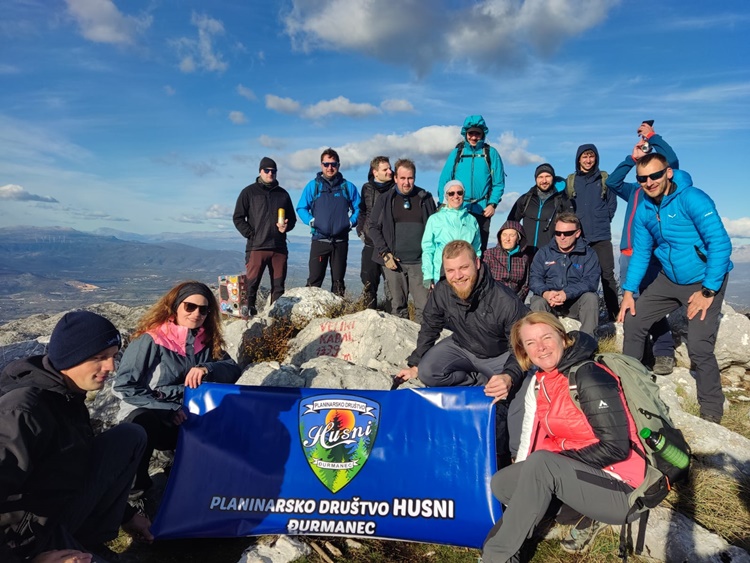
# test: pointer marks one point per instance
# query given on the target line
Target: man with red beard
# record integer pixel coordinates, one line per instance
(480, 312)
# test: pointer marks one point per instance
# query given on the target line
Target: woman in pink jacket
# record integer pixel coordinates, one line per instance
(579, 456)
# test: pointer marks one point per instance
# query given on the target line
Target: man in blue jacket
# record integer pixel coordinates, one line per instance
(662, 346)
(595, 207)
(479, 168)
(565, 275)
(681, 224)
(330, 205)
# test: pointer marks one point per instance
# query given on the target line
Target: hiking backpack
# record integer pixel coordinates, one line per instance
(570, 188)
(460, 154)
(648, 411)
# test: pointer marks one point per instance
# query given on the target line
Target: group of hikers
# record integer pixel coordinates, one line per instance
(65, 492)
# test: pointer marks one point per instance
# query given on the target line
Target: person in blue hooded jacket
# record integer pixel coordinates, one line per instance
(661, 344)
(479, 168)
(680, 224)
(330, 205)
(595, 207)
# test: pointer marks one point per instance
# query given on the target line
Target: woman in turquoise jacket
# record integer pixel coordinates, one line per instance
(451, 222)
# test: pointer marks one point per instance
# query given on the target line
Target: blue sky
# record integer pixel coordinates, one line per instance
(151, 116)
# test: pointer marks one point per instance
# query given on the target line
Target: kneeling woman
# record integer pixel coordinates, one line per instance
(178, 342)
(580, 456)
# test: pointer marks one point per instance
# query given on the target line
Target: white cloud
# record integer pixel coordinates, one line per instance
(513, 150)
(17, 193)
(213, 213)
(739, 228)
(200, 53)
(272, 142)
(485, 33)
(728, 21)
(394, 106)
(428, 147)
(237, 117)
(282, 105)
(199, 168)
(169, 91)
(9, 69)
(246, 92)
(712, 94)
(89, 215)
(341, 106)
(100, 21)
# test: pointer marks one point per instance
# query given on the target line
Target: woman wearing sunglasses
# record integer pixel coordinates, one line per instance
(451, 222)
(177, 342)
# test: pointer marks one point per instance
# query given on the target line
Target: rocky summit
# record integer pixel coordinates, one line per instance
(366, 349)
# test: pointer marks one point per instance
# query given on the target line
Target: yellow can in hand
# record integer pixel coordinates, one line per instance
(282, 216)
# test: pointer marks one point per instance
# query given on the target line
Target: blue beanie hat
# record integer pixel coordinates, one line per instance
(78, 336)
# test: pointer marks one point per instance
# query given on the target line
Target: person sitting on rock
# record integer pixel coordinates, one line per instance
(64, 491)
(480, 312)
(178, 342)
(509, 262)
(565, 275)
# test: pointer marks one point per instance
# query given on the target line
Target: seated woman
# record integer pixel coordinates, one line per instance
(178, 342)
(451, 222)
(579, 456)
(509, 262)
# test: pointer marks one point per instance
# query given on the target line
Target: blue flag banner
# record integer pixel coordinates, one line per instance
(412, 464)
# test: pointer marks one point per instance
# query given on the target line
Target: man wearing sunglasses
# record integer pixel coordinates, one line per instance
(680, 225)
(330, 205)
(565, 275)
(264, 213)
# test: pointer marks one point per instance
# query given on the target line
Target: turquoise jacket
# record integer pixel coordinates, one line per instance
(686, 235)
(443, 227)
(483, 185)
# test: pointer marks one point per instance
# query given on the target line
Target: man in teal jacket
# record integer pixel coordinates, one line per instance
(480, 169)
(680, 223)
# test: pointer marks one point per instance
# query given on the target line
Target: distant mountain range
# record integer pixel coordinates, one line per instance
(48, 270)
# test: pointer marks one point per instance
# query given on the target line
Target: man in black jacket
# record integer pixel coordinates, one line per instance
(396, 227)
(263, 215)
(480, 312)
(379, 181)
(64, 491)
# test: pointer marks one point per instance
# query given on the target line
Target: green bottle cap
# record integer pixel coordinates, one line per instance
(645, 433)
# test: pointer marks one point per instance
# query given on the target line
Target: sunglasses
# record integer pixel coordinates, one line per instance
(329, 164)
(452, 194)
(655, 176)
(566, 233)
(190, 307)
(269, 170)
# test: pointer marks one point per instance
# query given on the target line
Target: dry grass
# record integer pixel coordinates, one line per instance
(272, 344)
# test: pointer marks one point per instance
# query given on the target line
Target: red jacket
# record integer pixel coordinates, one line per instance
(599, 432)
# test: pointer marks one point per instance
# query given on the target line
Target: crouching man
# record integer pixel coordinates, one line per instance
(480, 311)
(64, 491)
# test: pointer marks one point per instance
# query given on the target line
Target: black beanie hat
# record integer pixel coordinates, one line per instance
(192, 288)
(78, 336)
(544, 168)
(266, 162)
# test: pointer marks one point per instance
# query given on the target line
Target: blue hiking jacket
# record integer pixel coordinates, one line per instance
(687, 236)
(482, 184)
(594, 212)
(333, 204)
(632, 192)
(576, 272)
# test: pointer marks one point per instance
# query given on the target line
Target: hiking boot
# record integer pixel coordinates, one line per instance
(579, 539)
(663, 365)
(711, 418)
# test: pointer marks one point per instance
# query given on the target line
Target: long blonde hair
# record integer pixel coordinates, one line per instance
(165, 308)
(537, 317)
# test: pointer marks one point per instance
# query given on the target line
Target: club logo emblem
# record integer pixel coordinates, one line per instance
(337, 434)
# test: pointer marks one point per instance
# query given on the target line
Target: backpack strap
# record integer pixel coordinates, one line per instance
(459, 153)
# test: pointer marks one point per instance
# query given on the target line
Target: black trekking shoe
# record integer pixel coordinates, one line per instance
(663, 365)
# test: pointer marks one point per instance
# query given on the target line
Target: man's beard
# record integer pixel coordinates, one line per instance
(466, 290)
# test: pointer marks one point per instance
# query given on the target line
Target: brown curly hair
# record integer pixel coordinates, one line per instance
(164, 310)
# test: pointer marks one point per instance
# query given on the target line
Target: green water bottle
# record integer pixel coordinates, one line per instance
(665, 449)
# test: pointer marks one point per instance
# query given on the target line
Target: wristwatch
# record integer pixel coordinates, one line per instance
(705, 292)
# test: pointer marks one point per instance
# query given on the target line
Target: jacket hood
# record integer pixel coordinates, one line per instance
(515, 225)
(682, 178)
(35, 371)
(474, 121)
(582, 349)
(380, 188)
(335, 181)
(581, 150)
